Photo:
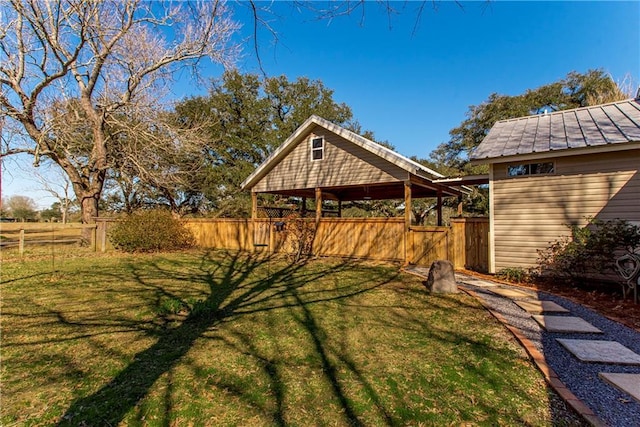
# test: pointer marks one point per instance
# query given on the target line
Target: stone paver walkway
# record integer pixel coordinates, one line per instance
(512, 293)
(566, 324)
(600, 351)
(565, 351)
(628, 383)
(538, 307)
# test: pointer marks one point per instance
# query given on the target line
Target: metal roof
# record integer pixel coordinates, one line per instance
(605, 125)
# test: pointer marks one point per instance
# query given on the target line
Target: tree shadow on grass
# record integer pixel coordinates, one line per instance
(237, 286)
(110, 403)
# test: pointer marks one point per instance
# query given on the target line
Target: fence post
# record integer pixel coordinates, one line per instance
(103, 236)
(271, 238)
(409, 246)
(458, 248)
(94, 238)
(21, 242)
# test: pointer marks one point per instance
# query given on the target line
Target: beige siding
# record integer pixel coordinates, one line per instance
(344, 163)
(530, 212)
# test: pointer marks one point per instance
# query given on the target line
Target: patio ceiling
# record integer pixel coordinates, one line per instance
(393, 190)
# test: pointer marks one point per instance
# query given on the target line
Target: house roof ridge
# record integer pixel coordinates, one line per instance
(569, 110)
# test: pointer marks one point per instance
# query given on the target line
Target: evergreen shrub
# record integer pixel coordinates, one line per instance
(589, 251)
(514, 275)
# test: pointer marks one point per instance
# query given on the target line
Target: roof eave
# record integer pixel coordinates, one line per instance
(280, 152)
(597, 149)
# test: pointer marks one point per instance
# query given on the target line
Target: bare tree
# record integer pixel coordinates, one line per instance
(57, 184)
(70, 69)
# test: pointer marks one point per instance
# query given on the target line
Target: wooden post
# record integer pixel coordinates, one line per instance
(94, 238)
(318, 205)
(408, 241)
(303, 208)
(21, 242)
(254, 205)
(407, 205)
(339, 208)
(254, 215)
(102, 231)
(439, 208)
(272, 237)
(460, 206)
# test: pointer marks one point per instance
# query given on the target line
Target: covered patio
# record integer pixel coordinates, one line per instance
(323, 161)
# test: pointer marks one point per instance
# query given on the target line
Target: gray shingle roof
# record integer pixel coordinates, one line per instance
(598, 125)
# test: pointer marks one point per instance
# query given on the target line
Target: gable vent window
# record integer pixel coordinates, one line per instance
(525, 169)
(317, 148)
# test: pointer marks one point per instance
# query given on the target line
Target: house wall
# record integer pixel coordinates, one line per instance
(344, 163)
(529, 212)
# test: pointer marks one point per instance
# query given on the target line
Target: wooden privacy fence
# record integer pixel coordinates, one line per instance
(465, 242)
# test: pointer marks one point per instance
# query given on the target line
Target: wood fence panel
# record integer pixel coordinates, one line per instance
(429, 244)
(471, 241)
(225, 233)
(371, 238)
(465, 243)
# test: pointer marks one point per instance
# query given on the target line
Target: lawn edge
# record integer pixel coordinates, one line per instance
(549, 374)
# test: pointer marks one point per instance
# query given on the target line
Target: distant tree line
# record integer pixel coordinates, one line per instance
(83, 86)
(244, 117)
(23, 209)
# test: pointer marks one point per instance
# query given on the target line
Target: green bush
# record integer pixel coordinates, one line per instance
(589, 250)
(168, 306)
(151, 231)
(514, 275)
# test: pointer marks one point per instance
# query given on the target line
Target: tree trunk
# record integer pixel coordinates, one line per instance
(89, 211)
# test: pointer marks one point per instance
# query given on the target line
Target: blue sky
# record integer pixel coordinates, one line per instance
(410, 85)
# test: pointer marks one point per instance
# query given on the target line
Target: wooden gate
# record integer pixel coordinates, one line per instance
(465, 244)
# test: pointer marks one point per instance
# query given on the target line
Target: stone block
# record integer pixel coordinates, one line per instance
(600, 351)
(441, 278)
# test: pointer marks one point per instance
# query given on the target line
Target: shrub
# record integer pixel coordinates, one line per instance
(151, 231)
(514, 275)
(589, 250)
(168, 306)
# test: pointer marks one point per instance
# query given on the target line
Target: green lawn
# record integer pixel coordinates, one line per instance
(220, 338)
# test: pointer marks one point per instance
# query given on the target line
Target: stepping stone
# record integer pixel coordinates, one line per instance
(541, 307)
(627, 383)
(566, 324)
(511, 293)
(600, 351)
(479, 283)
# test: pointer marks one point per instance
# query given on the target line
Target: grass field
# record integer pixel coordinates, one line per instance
(218, 338)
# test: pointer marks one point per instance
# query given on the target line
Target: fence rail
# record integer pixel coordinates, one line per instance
(22, 234)
(465, 242)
